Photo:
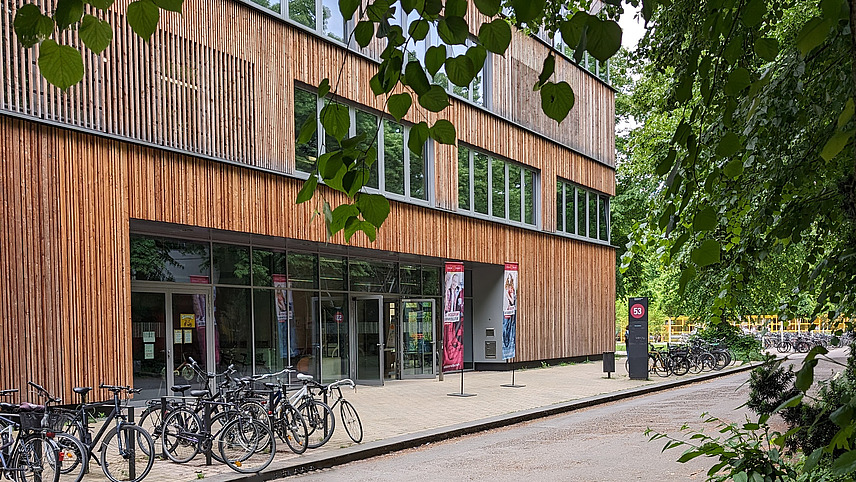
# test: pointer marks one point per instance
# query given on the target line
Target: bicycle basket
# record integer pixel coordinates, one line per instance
(38, 420)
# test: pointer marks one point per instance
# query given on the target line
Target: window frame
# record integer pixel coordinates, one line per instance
(427, 153)
(592, 233)
(506, 163)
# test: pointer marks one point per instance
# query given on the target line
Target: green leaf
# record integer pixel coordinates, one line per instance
(734, 168)
(363, 33)
(307, 190)
(741, 477)
(846, 114)
(67, 13)
(307, 130)
(334, 167)
(738, 79)
(478, 55)
(348, 8)
(842, 416)
(835, 144)
(753, 13)
(435, 99)
(557, 100)
(705, 220)
(323, 88)
(336, 120)
(684, 88)
(367, 228)
(456, 8)
(495, 35)
(805, 376)
(547, 70)
(100, 4)
(767, 48)
(706, 254)
(813, 33)
(399, 104)
(603, 38)
(418, 135)
(96, 34)
(812, 460)
(728, 145)
(170, 5)
(453, 30)
(377, 10)
(666, 164)
(31, 26)
(689, 455)
(340, 216)
(143, 17)
(60, 65)
(419, 29)
(432, 9)
(572, 30)
(443, 132)
(374, 208)
(527, 10)
(435, 57)
(489, 8)
(686, 275)
(845, 464)
(460, 70)
(415, 77)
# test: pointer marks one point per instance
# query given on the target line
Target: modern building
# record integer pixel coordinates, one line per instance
(149, 215)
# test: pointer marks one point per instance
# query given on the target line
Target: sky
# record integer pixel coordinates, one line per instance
(633, 27)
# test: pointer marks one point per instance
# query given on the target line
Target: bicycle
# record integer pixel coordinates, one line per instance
(245, 444)
(72, 451)
(30, 455)
(347, 412)
(284, 418)
(119, 458)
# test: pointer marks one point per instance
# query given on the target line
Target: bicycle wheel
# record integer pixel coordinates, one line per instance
(662, 366)
(351, 421)
(292, 429)
(783, 347)
(246, 445)
(150, 421)
(180, 435)
(695, 364)
(35, 460)
(707, 362)
(120, 453)
(72, 460)
(680, 365)
(319, 420)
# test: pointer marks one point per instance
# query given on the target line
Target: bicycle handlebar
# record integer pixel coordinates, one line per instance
(8, 391)
(117, 389)
(42, 391)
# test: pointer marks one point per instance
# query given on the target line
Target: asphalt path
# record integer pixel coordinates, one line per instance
(603, 443)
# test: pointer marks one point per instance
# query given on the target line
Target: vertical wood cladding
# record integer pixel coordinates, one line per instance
(64, 258)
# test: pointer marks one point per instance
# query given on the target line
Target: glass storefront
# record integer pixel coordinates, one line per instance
(272, 308)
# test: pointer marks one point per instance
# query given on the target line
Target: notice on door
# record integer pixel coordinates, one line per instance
(148, 337)
(149, 351)
(188, 320)
(176, 337)
(188, 336)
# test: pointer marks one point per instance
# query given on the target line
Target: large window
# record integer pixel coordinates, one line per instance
(495, 187)
(581, 212)
(396, 170)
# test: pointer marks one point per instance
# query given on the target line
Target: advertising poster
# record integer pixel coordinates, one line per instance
(453, 317)
(509, 312)
(284, 315)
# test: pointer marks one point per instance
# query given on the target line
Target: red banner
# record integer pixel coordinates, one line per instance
(453, 318)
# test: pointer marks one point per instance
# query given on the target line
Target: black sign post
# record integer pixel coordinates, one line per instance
(637, 338)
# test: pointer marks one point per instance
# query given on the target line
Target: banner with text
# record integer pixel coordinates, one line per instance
(453, 317)
(509, 312)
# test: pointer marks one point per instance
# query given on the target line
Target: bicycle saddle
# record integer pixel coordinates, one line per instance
(199, 393)
(180, 388)
(81, 390)
(9, 407)
(305, 377)
(271, 385)
(29, 407)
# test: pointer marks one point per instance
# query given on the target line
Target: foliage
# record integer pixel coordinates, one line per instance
(743, 345)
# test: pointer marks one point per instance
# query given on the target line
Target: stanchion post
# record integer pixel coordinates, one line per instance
(131, 441)
(162, 420)
(207, 422)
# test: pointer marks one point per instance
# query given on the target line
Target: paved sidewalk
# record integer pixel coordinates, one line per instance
(411, 412)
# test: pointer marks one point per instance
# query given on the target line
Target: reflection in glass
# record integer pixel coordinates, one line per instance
(570, 209)
(430, 281)
(302, 12)
(189, 318)
(417, 175)
(604, 218)
(411, 280)
(498, 187)
(302, 270)
(233, 329)
(333, 22)
(514, 193)
(393, 157)
(592, 232)
(271, 331)
(463, 178)
(368, 339)
(367, 124)
(373, 276)
(305, 106)
(417, 332)
(333, 273)
(529, 182)
(480, 183)
(335, 358)
(231, 264)
(149, 343)
(273, 5)
(560, 207)
(266, 264)
(581, 212)
(305, 342)
(164, 259)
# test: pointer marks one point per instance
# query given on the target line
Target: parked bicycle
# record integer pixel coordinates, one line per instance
(27, 451)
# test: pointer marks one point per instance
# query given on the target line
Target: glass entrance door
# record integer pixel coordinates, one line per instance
(417, 338)
(169, 327)
(368, 343)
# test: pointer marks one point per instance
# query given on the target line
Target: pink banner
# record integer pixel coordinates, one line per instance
(453, 318)
(509, 312)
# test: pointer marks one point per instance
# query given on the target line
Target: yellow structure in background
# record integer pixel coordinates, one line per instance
(683, 325)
